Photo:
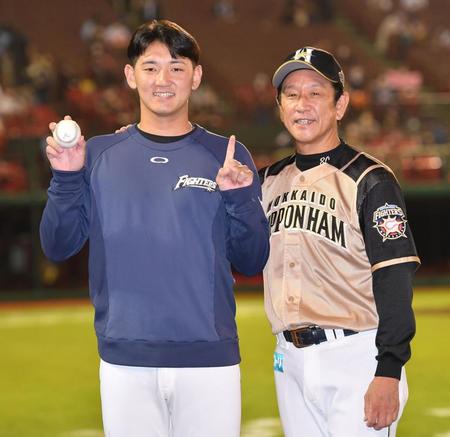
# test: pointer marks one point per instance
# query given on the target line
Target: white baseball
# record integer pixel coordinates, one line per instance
(67, 133)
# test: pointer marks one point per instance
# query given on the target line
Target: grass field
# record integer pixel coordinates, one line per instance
(49, 365)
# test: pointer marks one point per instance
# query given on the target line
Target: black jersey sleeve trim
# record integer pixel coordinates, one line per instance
(262, 174)
(276, 168)
(359, 165)
(373, 176)
(366, 171)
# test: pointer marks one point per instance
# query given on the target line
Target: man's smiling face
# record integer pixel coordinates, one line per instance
(309, 111)
(164, 83)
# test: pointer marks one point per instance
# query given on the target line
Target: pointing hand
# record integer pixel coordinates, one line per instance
(233, 174)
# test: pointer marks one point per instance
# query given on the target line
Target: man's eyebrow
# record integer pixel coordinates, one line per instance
(173, 61)
(309, 85)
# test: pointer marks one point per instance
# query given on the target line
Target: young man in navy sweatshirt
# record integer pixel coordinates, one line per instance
(167, 208)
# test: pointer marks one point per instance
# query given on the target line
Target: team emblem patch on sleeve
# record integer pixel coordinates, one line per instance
(390, 222)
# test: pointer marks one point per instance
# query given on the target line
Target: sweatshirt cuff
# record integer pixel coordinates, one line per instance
(239, 199)
(390, 367)
(67, 180)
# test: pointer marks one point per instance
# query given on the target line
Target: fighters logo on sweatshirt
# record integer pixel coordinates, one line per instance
(187, 181)
(390, 222)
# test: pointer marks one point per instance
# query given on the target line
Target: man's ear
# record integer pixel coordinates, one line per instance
(129, 75)
(197, 79)
(341, 105)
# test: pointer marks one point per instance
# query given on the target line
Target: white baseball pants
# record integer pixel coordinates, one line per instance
(321, 388)
(170, 402)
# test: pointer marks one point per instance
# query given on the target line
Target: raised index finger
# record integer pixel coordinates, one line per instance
(230, 149)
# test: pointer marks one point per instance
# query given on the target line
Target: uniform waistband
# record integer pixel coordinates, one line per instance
(310, 335)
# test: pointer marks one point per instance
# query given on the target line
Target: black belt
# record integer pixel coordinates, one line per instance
(310, 335)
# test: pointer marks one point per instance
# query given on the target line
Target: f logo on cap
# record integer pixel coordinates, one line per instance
(304, 54)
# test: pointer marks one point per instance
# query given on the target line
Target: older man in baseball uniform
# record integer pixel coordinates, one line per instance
(338, 283)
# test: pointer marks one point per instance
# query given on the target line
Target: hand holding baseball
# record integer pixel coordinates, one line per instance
(66, 155)
(233, 174)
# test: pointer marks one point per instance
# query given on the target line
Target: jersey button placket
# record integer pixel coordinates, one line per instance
(300, 182)
(291, 299)
(292, 278)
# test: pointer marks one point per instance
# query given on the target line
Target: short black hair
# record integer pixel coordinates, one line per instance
(338, 91)
(178, 41)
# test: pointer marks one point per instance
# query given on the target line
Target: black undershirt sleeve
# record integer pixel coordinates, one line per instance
(392, 289)
(391, 251)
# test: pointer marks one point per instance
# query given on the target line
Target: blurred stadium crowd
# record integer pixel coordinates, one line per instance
(395, 53)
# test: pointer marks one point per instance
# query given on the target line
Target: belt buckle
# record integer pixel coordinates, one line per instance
(296, 337)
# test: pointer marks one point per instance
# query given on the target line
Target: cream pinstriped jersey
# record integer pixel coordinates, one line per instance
(331, 226)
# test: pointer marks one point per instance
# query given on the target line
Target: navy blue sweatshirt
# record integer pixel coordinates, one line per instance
(162, 238)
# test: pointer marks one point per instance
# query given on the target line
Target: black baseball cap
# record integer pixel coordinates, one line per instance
(310, 58)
